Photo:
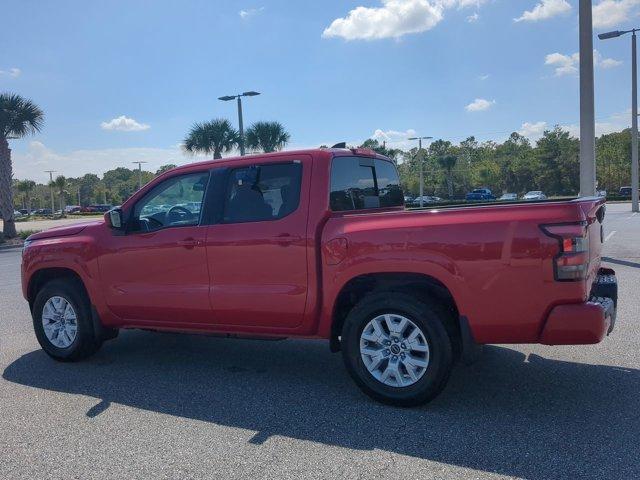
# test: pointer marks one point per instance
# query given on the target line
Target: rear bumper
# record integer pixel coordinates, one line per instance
(588, 322)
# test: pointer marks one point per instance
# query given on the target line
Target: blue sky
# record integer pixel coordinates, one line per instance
(328, 70)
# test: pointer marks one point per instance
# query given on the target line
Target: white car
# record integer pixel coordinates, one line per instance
(534, 195)
(509, 197)
(426, 199)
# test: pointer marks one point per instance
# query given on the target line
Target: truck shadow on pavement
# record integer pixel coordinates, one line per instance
(520, 416)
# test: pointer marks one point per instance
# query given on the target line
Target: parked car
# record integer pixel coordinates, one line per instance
(24, 211)
(625, 192)
(97, 208)
(17, 214)
(426, 199)
(331, 255)
(602, 193)
(534, 195)
(480, 194)
(72, 208)
(509, 197)
(408, 199)
(43, 211)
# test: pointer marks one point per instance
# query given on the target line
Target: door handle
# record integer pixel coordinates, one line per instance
(285, 239)
(189, 243)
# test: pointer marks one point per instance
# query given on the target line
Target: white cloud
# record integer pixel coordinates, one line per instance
(473, 18)
(124, 124)
(484, 76)
(532, 131)
(544, 10)
(608, 13)
(564, 64)
(479, 104)
(613, 123)
(396, 138)
(38, 157)
(12, 72)
(250, 12)
(569, 64)
(393, 19)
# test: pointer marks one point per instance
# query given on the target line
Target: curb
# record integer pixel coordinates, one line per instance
(10, 247)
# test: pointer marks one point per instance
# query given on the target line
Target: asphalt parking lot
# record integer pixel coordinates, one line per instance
(182, 406)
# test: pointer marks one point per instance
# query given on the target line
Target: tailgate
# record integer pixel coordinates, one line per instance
(594, 210)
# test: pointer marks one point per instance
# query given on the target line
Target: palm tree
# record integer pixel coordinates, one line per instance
(267, 136)
(26, 187)
(18, 117)
(60, 184)
(448, 162)
(215, 137)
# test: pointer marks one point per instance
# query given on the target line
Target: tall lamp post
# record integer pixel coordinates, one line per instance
(240, 126)
(421, 164)
(51, 172)
(634, 111)
(139, 173)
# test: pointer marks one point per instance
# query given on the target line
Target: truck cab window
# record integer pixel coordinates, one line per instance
(359, 185)
(176, 202)
(262, 192)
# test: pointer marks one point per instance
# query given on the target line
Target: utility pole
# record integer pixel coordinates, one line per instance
(587, 109)
(51, 172)
(139, 173)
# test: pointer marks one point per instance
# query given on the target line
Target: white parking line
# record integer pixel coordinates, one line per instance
(610, 235)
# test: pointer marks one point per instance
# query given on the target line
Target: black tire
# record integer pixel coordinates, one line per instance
(429, 317)
(86, 342)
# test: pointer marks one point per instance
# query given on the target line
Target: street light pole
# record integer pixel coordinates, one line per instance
(240, 122)
(139, 173)
(587, 110)
(634, 112)
(634, 124)
(240, 126)
(421, 159)
(51, 172)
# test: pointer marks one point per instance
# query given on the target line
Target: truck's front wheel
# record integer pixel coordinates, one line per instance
(397, 349)
(62, 321)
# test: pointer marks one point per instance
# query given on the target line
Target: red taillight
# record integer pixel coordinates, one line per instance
(572, 262)
(365, 152)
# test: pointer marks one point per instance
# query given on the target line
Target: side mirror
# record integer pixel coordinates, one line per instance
(113, 218)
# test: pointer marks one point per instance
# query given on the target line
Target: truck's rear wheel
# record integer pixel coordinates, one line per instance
(397, 349)
(62, 321)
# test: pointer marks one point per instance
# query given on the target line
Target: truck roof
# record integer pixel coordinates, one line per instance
(320, 153)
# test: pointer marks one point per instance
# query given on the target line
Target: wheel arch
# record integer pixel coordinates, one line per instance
(41, 277)
(422, 286)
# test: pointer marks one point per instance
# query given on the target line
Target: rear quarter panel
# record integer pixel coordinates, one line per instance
(495, 261)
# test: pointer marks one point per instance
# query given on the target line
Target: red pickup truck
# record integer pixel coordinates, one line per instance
(318, 244)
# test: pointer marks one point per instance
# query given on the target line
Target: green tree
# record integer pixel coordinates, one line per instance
(165, 168)
(448, 162)
(26, 187)
(19, 117)
(215, 137)
(557, 153)
(374, 144)
(267, 136)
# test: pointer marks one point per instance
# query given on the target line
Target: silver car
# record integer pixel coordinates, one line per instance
(534, 195)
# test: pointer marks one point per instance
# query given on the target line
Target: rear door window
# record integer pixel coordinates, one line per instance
(262, 192)
(363, 183)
